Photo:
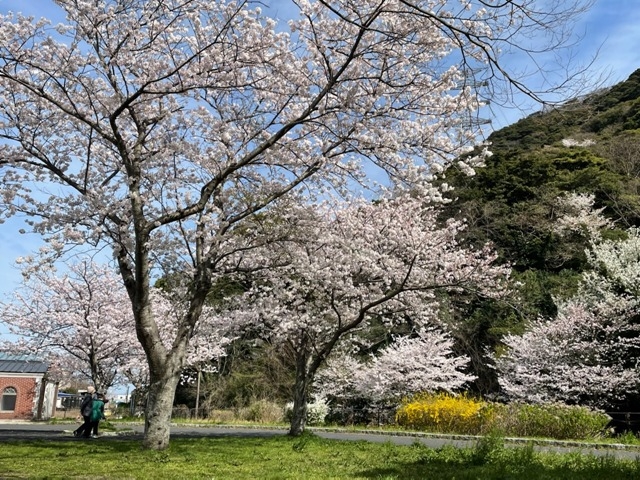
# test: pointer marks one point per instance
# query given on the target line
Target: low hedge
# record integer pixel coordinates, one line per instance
(445, 413)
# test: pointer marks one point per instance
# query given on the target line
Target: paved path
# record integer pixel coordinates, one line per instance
(62, 432)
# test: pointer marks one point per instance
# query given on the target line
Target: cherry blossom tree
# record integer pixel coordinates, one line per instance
(588, 353)
(158, 127)
(82, 320)
(83, 323)
(424, 362)
(344, 267)
(576, 214)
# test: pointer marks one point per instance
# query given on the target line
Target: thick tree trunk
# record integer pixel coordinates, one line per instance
(165, 367)
(158, 411)
(300, 396)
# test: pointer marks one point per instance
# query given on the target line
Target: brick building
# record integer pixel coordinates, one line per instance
(25, 393)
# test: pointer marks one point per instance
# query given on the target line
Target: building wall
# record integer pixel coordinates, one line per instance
(49, 401)
(27, 393)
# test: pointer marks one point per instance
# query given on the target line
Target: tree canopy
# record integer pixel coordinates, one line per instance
(158, 128)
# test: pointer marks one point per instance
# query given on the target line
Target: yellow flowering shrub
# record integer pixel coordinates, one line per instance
(444, 413)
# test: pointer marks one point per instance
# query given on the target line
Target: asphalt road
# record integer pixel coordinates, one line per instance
(62, 432)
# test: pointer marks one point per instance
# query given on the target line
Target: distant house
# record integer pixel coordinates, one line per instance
(25, 392)
(120, 398)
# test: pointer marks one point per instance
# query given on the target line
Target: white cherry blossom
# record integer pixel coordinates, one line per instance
(336, 270)
(158, 127)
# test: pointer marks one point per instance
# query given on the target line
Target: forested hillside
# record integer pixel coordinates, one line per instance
(590, 145)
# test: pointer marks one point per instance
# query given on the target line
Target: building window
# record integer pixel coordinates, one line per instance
(8, 402)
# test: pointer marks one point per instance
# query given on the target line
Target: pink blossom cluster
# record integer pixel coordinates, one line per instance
(337, 270)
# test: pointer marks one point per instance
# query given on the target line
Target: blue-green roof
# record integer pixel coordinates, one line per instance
(12, 363)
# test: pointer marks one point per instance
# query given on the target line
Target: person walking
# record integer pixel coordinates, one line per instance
(97, 414)
(86, 408)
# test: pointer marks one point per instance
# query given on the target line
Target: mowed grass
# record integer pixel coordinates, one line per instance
(308, 458)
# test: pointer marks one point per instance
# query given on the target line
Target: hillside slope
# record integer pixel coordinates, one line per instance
(589, 145)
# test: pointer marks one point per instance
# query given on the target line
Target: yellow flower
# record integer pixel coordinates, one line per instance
(441, 412)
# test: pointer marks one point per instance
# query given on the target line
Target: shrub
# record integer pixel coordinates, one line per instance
(180, 411)
(445, 413)
(221, 416)
(261, 411)
(487, 449)
(551, 420)
(360, 411)
(317, 411)
(351, 411)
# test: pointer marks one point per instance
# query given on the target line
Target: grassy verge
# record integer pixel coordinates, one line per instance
(307, 458)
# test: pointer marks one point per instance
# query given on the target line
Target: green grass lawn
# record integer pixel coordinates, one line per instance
(307, 458)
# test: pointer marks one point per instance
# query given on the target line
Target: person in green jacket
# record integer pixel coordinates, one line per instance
(97, 413)
(86, 408)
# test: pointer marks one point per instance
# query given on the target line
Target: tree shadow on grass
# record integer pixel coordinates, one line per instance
(505, 464)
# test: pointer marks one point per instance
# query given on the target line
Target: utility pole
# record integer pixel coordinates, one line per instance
(198, 393)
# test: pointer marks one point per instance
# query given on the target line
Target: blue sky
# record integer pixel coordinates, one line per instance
(610, 29)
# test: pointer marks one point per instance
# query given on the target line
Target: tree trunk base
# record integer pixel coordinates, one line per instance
(157, 425)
